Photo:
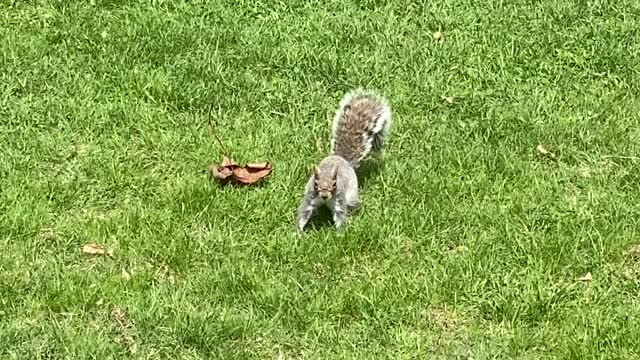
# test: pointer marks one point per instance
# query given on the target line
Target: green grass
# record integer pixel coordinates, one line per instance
(469, 243)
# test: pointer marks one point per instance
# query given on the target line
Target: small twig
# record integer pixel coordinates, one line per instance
(215, 133)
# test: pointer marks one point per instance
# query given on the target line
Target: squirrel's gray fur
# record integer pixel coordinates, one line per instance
(361, 123)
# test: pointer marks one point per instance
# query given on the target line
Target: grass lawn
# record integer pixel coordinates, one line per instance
(471, 244)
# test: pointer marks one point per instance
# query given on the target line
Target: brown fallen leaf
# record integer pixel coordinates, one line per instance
(129, 343)
(632, 262)
(543, 151)
(224, 170)
(586, 277)
(96, 249)
(229, 170)
(165, 273)
(93, 249)
(124, 329)
(249, 174)
(459, 249)
(448, 99)
(125, 275)
(438, 37)
(119, 315)
(252, 173)
(445, 318)
(634, 253)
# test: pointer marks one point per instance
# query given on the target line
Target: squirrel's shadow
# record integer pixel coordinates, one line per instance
(369, 169)
(321, 218)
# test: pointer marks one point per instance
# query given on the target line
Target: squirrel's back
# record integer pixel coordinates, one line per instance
(362, 121)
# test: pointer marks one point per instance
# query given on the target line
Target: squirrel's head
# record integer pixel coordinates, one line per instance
(325, 182)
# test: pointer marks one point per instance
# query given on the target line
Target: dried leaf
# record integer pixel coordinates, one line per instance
(634, 253)
(93, 249)
(586, 277)
(448, 99)
(438, 37)
(259, 166)
(446, 319)
(165, 273)
(222, 171)
(252, 173)
(226, 162)
(459, 249)
(125, 275)
(119, 315)
(632, 263)
(124, 328)
(96, 249)
(543, 151)
(129, 343)
(228, 170)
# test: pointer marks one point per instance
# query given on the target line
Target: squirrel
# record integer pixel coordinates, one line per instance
(361, 124)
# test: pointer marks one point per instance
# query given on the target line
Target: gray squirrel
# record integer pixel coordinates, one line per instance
(361, 123)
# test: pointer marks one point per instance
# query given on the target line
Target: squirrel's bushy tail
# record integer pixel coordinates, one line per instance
(361, 123)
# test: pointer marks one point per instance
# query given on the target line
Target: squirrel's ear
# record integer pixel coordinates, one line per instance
(316, 171)
(334, 172)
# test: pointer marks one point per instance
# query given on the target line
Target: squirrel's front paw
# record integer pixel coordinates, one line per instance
(341, 225)
(341, 230)
(301, 221)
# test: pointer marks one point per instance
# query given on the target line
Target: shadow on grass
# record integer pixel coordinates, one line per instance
(369, 169)
(322, 218)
